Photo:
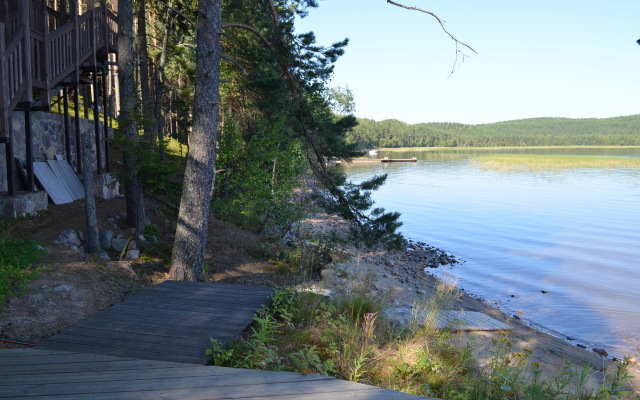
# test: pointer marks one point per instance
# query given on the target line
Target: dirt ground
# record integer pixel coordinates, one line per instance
(74, 286)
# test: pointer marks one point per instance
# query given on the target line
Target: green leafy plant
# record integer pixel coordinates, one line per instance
(307, 360)
(311, 334)
(16, 259)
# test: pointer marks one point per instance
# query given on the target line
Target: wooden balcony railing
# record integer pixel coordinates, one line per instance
(14, 55)
(40, 47)
(54, 52)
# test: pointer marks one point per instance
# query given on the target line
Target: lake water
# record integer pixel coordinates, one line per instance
(574, 233)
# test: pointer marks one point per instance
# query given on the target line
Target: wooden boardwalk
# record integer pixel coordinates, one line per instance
(172, 321)
(152, 346)
(58, 375)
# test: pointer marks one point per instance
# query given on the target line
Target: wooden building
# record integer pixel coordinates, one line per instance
(51, 51)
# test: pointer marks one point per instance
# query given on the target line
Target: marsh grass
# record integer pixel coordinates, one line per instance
(541, 163)
(501, 148)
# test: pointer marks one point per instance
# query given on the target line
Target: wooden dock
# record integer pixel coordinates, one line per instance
(393, 160)
(378, 160)
(151, 346)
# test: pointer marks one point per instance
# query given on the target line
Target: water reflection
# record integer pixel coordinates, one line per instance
(574, 234)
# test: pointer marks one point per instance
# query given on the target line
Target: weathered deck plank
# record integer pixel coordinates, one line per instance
(172, 321)
(35, 373)
(149, 347)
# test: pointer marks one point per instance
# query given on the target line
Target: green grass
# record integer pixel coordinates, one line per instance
(310, 334)
(539, 162)
(16, 259)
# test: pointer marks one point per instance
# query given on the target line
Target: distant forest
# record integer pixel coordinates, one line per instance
(617, 131)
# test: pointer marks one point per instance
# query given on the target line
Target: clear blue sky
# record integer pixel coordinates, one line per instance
(560, 58)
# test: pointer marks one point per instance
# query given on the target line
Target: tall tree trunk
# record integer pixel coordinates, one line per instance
(148, 124)
(195, 206)
(159, 86)
(133, 188)
(88, 156)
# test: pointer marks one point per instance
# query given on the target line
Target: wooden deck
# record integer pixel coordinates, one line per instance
(57, 375)
(172, 321)
(152, 346)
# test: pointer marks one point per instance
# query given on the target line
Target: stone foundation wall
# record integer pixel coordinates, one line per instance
(23, 204)
(48, 138)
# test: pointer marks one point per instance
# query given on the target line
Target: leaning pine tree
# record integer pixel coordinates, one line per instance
(193, 218)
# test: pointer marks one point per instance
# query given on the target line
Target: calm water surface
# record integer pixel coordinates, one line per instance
(573, 233)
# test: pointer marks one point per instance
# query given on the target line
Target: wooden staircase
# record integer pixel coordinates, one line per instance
(45, 46)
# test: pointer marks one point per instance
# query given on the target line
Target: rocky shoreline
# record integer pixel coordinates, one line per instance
(403, 278)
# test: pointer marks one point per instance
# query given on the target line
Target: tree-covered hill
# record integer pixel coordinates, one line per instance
(621, 131)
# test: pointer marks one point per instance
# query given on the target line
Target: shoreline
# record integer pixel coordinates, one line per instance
(550, 350)
(403, 282)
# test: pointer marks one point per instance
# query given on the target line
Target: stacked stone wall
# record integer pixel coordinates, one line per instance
(48, 139)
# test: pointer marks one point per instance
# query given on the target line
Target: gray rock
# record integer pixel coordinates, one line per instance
(600, 351)
(80, 235)
(119, 244)
(104, 256)
(62, 288)
(105, 238)
(133, 254)
(75, 248)
(71, 237)
(327, 273)
(398, 316)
